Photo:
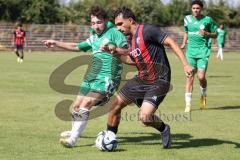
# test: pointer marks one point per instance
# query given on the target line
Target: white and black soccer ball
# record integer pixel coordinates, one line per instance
(99, 139)
(106, 141)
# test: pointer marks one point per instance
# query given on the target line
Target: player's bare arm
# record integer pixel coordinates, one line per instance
(185, 37)
(208, 34)
(187, 68)
(115, 50)
(121, 53)
(127, 60)
(64, 45)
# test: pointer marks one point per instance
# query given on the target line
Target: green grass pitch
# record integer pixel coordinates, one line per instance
(29, 128)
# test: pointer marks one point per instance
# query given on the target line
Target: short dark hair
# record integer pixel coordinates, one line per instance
(19, 25)
(199, 2)
(125, 12)
(99, 12)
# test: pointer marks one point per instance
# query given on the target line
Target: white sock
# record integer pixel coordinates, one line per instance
(221, 53)
(218, 54)
(188, 98)
(203, 91)
(80, 122)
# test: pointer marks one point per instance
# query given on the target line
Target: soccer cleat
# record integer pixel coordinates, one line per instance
(203, 101)
(18, 59)
(188, 108)
(21, 60)
(65, 134)
(68, 142)
(166, 137)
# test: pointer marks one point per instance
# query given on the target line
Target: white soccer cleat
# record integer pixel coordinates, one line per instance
(65, 134)
(18, 59)
(68, 142)
(21, 60)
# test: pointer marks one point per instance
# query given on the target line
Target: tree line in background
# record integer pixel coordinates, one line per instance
(147, 11)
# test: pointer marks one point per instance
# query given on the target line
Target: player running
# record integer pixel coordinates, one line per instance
(148, 89)
(198, 30)
(105, 75)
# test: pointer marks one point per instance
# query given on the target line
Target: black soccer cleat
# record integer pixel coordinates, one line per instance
(166, 137)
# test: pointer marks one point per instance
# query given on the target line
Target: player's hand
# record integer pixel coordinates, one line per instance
(109, 48)
(112, 49)
(188, 70)
(202, 32)
(183, 46)
(49, 43)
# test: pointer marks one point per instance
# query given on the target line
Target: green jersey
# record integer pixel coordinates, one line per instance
(221, 36)
(104, 64)
(198, 45)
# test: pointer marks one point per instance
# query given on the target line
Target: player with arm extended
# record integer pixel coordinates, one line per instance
(104, 77)
(147, 89)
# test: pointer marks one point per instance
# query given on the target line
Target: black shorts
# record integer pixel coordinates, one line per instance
(19, 46)
(136, 91)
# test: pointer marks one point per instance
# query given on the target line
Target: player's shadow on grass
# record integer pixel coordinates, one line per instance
(224, 108)
(220, 76)
(178, 140)
(93, 144)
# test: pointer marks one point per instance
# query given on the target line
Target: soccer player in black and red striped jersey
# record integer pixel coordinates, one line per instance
(147, 89)
(19, 41)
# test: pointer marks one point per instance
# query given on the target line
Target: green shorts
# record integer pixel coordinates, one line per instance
(198, 63)
(104, 86)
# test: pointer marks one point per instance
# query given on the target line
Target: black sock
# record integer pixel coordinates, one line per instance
(112, 128)
(162, 127)
(22, 55)
(17, 53)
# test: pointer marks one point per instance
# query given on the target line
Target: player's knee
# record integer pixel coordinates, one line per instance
(201, 78)
(190, 79)
(145, 118)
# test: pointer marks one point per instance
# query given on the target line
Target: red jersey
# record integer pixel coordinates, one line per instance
(148, 52)
(19, 36)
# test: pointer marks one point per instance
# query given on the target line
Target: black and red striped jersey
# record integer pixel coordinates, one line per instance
(148, 52)
(19, 36)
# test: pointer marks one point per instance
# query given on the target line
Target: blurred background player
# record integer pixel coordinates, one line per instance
(198, 30)
(19, 41)
(221, 41)
(104, 77)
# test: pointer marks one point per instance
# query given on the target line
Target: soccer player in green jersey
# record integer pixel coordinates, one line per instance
(198, 30)
(221, 41)
(105, 75)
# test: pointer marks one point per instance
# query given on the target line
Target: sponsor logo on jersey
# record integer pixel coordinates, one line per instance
(135, 53)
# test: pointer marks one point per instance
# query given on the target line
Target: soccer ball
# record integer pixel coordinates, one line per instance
(106, 141)
(99, 139)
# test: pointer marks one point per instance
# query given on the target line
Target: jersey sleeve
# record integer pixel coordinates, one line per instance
(85, 45)
(154, 34)
(213, 26)
(185, 25)
(120, 40)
